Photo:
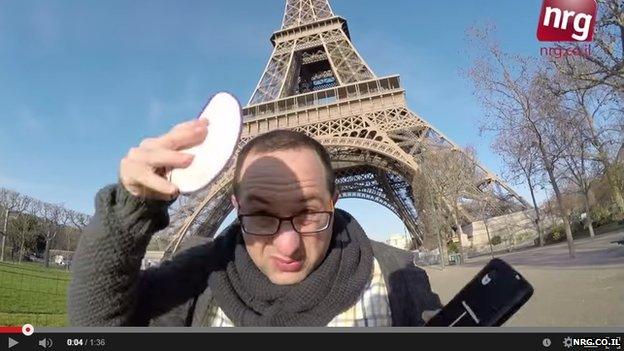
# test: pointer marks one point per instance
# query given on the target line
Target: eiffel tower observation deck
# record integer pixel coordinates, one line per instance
(316, 82)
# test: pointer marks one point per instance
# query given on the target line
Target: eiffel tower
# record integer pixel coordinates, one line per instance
(316, 82)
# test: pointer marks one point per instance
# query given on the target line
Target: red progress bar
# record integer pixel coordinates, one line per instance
(10, 330)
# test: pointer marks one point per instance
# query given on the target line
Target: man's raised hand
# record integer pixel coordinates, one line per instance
(143, 171)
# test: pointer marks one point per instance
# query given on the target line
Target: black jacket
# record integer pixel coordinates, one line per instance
(109, 289)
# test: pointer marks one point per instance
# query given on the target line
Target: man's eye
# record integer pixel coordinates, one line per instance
(310, 216)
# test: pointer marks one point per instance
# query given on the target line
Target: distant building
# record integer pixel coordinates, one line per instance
(514, 230)
(400, 241)
(61, 257)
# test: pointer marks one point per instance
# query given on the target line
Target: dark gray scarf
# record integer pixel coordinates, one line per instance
(249, 298)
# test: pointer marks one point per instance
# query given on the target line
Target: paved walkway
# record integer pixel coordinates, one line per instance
(585, 291)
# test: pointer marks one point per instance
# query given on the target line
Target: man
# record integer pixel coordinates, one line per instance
(290, 259)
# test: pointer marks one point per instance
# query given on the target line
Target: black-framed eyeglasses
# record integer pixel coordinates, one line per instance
(306, 223)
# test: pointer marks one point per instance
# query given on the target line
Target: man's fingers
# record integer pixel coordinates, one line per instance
(160, 187)
(180, 131)
(183, 138)
(142, 171)
(161, 158)
(191, 124)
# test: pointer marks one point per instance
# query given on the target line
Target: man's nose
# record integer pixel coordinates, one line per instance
(287, 240)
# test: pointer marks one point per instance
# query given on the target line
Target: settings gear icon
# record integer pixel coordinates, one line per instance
(567, 342)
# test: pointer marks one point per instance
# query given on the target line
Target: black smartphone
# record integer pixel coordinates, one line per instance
(491, 297)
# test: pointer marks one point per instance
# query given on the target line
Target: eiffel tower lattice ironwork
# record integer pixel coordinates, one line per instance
(316, 82)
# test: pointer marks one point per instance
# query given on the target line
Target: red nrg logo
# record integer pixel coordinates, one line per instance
(567, 20)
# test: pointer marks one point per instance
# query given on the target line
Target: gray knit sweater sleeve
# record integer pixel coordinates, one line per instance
(107, 287)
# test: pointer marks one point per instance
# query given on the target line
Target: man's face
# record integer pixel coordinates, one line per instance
(283, 184)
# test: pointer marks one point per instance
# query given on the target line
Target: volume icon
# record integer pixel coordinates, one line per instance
(45, 343)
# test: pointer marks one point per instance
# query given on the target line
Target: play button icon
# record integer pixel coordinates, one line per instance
(12, 342)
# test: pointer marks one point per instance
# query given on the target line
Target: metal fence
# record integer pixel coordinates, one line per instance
(33, 294)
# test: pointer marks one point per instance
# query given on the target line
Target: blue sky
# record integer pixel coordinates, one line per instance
(83, 81)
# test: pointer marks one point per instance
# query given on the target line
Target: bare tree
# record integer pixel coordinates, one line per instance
(25, 222)
(432, 214)
(513, 92)
(599, 121)
(605, 66)
(10, 202)
(583, 157)
(600, 76)
(78, 219)
(522, 163)
(450, 178)
(546, 125)
(34, 219)
(54, 219)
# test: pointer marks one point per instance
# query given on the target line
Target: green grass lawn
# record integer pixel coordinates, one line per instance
(31, 293)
